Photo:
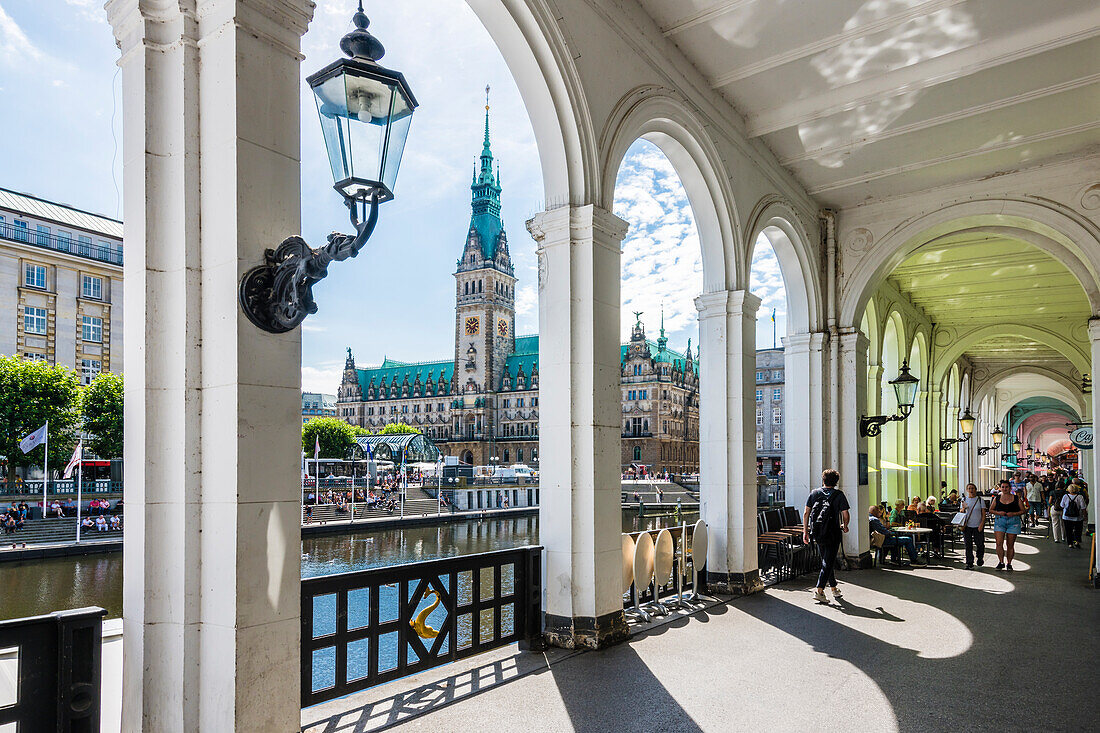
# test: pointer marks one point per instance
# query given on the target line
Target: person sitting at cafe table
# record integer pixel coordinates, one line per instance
(893, 541)
(950, 502)
(897, 516)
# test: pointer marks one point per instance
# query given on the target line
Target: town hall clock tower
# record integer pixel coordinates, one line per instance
(485, 313)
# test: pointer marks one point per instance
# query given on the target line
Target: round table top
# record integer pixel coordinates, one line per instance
(912, 530)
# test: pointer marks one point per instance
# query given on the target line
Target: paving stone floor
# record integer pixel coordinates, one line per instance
(927, 649)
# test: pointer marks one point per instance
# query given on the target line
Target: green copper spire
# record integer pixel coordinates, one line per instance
(485, 218)
(662, 342)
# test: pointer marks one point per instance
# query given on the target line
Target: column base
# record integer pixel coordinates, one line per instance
(585, 632)
(734, 584)
(863, 561)
(1096, 579)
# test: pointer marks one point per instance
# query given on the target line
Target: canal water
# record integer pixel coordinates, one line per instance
(41, 586)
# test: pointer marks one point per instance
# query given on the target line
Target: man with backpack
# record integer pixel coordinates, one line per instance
(825, 519)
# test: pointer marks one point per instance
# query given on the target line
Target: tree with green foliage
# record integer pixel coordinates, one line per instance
(101, 404)
(33, 393)
(396, 428)
(335, 437)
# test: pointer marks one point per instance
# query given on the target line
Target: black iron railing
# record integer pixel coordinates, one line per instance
(368, 627)
(61, 244)
(58, 679)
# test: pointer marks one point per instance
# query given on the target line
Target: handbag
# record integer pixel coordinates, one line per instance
(877, 538)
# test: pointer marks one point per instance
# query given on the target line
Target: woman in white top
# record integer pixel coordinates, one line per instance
(1073, 515)
(973, 509)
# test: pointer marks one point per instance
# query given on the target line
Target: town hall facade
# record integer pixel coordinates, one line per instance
(482, 405)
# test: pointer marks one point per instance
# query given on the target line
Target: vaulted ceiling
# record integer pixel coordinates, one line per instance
(869, 99)
(969, 280)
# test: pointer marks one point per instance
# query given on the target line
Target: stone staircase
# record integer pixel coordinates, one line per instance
(647, 493)
(55, 531)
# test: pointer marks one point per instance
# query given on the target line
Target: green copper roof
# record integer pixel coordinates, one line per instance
(392, 369)
(485, 204)
(661, 355)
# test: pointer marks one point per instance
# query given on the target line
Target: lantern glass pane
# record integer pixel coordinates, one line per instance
(905, 391)
(966, 424)
(365, 122)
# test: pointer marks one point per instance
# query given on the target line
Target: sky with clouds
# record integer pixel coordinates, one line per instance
(60, 91)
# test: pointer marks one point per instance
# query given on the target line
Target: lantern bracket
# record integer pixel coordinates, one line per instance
(278, 295)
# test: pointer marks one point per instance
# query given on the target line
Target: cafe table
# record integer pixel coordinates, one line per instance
(920, 535)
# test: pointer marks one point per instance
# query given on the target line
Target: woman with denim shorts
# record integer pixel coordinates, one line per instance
(1007, 511)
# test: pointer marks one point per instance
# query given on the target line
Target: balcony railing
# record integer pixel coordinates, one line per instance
(61, 487)
(364, 628)
(53, 242)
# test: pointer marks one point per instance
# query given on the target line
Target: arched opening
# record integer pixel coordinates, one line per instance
(917, 455)
(892, 466)
(662, 272)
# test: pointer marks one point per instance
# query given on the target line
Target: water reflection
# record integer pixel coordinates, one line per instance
(42, 586)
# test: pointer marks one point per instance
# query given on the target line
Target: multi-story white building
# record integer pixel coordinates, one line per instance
(60, 284)
(317, 404)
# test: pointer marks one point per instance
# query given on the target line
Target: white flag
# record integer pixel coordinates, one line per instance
(32, 441)
(317, 446)
(78, 455)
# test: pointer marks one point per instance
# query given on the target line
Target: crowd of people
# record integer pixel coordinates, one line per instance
(1016, 503)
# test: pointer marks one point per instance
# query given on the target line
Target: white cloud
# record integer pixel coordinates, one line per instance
(662, 262)
(324, 377)
(527, 300)
(15, 48)
(89, 10)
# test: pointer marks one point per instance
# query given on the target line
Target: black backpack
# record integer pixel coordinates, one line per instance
(823, 516)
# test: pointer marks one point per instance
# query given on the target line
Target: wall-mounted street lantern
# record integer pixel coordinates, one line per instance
(905, 391)
(966, 428)
(1017, 446)
(365, 113)
(1030, 451)
(998, 436)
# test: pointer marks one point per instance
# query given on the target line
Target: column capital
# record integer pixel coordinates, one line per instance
(1094, 329)
(814, 341)
(568, 223)
(727, 302)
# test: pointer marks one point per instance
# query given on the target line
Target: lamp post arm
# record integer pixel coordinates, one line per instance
(278, 295)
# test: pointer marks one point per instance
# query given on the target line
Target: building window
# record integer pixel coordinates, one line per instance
(777, 441)
(777, 415)
(83, 245)
(637, 453)
(507, 402)
(519, 454)
(64, 242)
(519, 402)
(42, 235)
(759, 395)
(89, 368)
(760, 376)
(91, 329)
(34, 357)
(759, 441)
(777, 394)
(777, 374)
(19, 234)
(34, 320)
(759, 416)
(34, 276)
(93, 287)
(645, 394)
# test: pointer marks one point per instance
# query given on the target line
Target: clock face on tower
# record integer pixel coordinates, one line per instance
(472, 326)
(502, 327)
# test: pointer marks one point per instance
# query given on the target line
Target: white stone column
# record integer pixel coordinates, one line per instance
(211, 597)
(580, 516)
(1093, 456)
(727, 438)
(853, 403)
(803, 414)
(875, 488)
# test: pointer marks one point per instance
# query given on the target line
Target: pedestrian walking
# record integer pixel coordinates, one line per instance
(825, 519)
(1073, 515)
(973, 509)
(1007, 510)
(1034, 491)
(1055, 507)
